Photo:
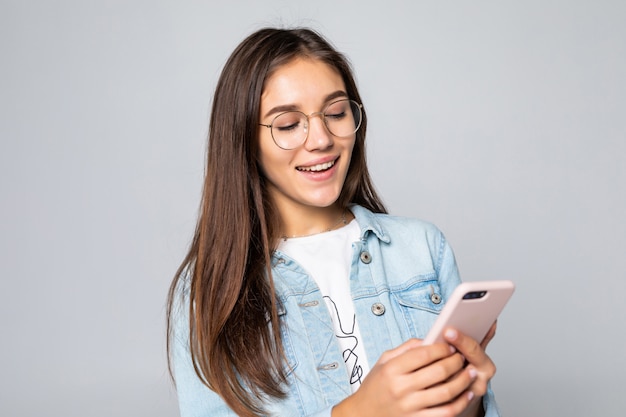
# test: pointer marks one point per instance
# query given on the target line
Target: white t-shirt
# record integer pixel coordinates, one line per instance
(327, 257)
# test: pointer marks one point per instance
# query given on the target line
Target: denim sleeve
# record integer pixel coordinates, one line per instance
(449, 279)
(194, 398)
(445, 266)
(489, 404)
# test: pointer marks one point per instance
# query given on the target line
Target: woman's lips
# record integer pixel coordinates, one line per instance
(317, 167)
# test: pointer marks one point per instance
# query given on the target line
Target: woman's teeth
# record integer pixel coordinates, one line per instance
(318, 167)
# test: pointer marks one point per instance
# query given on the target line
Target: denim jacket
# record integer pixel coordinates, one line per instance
(402, 272)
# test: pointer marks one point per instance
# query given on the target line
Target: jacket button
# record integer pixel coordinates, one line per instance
(378, 309)
(435, 298)
(366, 257)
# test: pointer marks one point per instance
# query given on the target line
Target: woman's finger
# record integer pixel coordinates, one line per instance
(490, 335)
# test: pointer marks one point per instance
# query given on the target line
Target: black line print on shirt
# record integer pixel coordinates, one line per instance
(349, 355)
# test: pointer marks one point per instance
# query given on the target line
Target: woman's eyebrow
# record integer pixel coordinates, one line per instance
(336, 94)
(293, 107)
(281, 108)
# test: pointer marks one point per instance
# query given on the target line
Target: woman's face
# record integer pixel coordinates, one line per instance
(311, 175)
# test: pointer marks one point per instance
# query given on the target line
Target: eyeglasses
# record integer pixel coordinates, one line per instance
(290, 129)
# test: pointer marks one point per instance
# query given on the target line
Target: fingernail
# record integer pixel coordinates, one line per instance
(452, 349)
(451, 334)
(470, 395)
(473, 373)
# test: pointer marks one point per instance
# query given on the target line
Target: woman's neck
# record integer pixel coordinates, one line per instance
(306, 221)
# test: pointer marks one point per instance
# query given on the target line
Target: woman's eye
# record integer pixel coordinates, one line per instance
(287, 127)
(336, 116)
(287, 122)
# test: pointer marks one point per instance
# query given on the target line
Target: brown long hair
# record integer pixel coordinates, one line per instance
(234, 330)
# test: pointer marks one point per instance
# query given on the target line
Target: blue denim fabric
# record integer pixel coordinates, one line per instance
(396, 266)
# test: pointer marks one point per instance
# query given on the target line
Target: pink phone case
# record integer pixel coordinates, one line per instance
(474, 314)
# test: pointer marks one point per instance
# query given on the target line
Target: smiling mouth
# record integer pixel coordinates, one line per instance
(318, 168)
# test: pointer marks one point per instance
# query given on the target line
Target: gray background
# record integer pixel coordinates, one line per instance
(502, 122)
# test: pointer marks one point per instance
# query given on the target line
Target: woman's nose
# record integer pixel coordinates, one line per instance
(318, 136)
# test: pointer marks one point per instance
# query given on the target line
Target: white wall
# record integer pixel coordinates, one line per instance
(502, 122)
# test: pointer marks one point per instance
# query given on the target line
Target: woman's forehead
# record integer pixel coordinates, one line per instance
(301, 82)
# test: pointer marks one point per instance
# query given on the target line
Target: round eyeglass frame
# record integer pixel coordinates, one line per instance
(322, 113)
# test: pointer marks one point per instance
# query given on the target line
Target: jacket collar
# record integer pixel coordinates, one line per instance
(368, 222)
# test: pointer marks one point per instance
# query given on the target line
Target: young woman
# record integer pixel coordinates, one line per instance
(299, 295)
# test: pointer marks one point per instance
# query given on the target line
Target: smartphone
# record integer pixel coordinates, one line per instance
(472, 308)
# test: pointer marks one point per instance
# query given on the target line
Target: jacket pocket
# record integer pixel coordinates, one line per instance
(419, 304)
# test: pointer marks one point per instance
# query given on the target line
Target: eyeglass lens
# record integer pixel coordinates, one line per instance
(342, 118)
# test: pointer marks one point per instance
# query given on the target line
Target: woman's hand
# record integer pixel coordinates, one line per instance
(415, 380)
(475, 355)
